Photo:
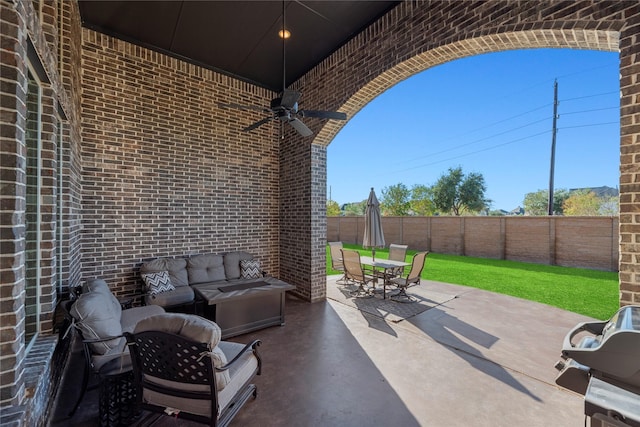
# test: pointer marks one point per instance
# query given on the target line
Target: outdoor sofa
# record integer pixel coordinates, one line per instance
(230, 289)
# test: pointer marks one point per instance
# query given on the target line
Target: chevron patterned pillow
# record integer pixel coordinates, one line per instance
(250, 269)
(157, 282)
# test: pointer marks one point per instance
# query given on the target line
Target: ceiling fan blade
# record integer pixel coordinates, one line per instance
(300, 127)
(244, 107)
(334, 115)
(289, 98)
(257, 124)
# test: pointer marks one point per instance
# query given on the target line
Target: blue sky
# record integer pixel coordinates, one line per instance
(490, 114)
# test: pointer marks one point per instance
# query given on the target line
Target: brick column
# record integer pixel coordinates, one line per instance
(629, 165)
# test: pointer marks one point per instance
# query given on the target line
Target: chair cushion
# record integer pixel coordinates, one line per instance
(241, 372)
(96, 285)
(205, 268)
(232, 263)
(157, 282)
(96, 319)
(177, 268)
(250, 269)
(100, 286)
(193, 328)
(132, 316)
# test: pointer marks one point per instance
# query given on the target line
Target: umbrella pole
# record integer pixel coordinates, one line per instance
(373, 253)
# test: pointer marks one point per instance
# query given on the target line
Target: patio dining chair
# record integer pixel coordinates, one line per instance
(397, 253)
(412, 278)
(335, 249)
(353, 271)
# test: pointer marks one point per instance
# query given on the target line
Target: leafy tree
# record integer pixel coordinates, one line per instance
(355, 209)
(582, 203)
(536, 204)
(421, 202)
(333, 209)
(609, 206)
(394, 200)
(456, 193)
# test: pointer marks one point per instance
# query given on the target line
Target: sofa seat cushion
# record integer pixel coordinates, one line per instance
(177, 268)
(193, 328)
(232, 263)
(205, 268)
(180, 295)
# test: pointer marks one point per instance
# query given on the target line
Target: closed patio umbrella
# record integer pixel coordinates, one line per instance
(373, 235)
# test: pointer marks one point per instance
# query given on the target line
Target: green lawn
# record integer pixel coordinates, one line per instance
(593, 293)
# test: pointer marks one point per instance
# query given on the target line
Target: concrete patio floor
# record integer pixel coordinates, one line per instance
(480, 359)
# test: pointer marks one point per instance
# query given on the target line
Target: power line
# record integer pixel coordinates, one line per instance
(517, 128)
(473, 152)
(589, 96)
(480, 140)
(589, 125)
(591, 111)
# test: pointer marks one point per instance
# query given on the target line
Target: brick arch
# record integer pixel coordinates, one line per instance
(417, 35)
(543, 38)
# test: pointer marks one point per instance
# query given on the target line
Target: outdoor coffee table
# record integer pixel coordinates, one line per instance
(384, 265)
(245, 305)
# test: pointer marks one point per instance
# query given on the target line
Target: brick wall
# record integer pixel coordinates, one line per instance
(165, 170)
(586, 242)
(13, 42)
(27, 378)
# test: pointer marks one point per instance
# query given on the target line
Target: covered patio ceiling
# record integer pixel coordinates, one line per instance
(237, 38)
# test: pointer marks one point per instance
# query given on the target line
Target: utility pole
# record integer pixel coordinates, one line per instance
(553, 146)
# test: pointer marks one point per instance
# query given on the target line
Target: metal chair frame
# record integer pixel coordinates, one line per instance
(335, 249)
(413, 278)
(354, 271)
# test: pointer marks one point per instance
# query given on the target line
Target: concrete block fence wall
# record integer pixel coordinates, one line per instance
(139, 161)
(586, 242)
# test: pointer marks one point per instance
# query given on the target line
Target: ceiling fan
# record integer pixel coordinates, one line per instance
(285, 107)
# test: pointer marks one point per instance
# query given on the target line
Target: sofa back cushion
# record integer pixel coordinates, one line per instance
(232, 263)
(205, 268)
(177, 268)
(96, 318)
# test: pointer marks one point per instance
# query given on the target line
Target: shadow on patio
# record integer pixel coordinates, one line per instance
(477, 359)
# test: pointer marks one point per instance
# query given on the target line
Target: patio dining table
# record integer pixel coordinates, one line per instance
(384, 265)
